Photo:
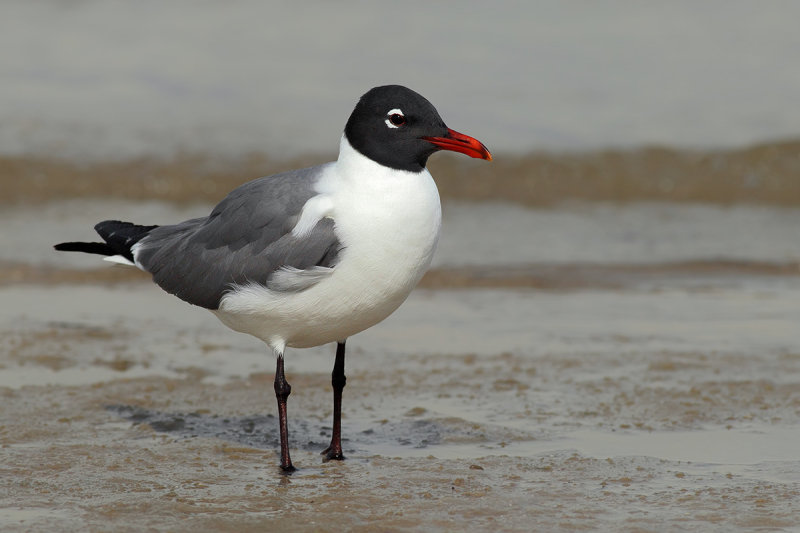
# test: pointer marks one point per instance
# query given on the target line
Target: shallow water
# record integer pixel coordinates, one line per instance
(662, 401)
(114, 79)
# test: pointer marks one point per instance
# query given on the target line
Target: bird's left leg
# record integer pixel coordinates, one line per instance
(338, 381)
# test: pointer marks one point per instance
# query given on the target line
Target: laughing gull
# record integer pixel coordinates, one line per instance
(312, 256)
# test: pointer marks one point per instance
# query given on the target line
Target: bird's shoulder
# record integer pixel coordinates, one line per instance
(268, 207)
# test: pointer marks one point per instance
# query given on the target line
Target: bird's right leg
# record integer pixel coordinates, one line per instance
(282, 392)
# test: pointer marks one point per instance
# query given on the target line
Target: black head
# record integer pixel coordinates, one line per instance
(398, 128)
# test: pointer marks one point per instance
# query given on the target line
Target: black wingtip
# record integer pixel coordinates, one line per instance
(99, 248)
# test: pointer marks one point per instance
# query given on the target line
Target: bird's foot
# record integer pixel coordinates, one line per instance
(332, 454)
(288, 469)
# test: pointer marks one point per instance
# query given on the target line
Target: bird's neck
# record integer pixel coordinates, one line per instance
(354, 163)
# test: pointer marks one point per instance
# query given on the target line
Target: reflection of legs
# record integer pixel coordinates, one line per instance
(282, 392)
(338, 381)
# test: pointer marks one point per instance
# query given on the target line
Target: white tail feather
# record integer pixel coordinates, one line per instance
(118, 259)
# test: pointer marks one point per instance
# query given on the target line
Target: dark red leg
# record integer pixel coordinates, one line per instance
(282, 392)
(338, 381)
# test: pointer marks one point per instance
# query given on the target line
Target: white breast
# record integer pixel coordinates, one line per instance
(388, 222)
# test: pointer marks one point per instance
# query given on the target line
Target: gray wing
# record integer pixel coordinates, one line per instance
(246, 239)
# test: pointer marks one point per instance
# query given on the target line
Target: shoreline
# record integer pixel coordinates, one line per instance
(559, 277)
(763, 174)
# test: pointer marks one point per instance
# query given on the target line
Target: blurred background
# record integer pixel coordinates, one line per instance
(622, 280)
(113, 79)
(199, 82)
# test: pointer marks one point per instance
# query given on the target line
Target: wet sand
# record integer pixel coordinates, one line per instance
(467, 409)
(618, 367)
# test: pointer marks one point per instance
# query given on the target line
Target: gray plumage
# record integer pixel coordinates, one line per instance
(246, 239)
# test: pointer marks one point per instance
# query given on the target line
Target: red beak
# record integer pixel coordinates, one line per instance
(458, 142)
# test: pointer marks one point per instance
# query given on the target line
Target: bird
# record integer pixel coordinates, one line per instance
(311, 256)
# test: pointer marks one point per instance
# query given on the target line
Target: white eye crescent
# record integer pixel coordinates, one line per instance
(395, 119)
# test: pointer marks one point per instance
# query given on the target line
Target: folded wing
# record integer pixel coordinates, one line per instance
(246, 239)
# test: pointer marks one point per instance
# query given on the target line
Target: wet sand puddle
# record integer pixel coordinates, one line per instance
(658, 401)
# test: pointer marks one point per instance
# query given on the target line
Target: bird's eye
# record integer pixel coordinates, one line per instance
(395, 119)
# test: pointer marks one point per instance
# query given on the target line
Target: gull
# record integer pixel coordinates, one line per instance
(311, 256)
